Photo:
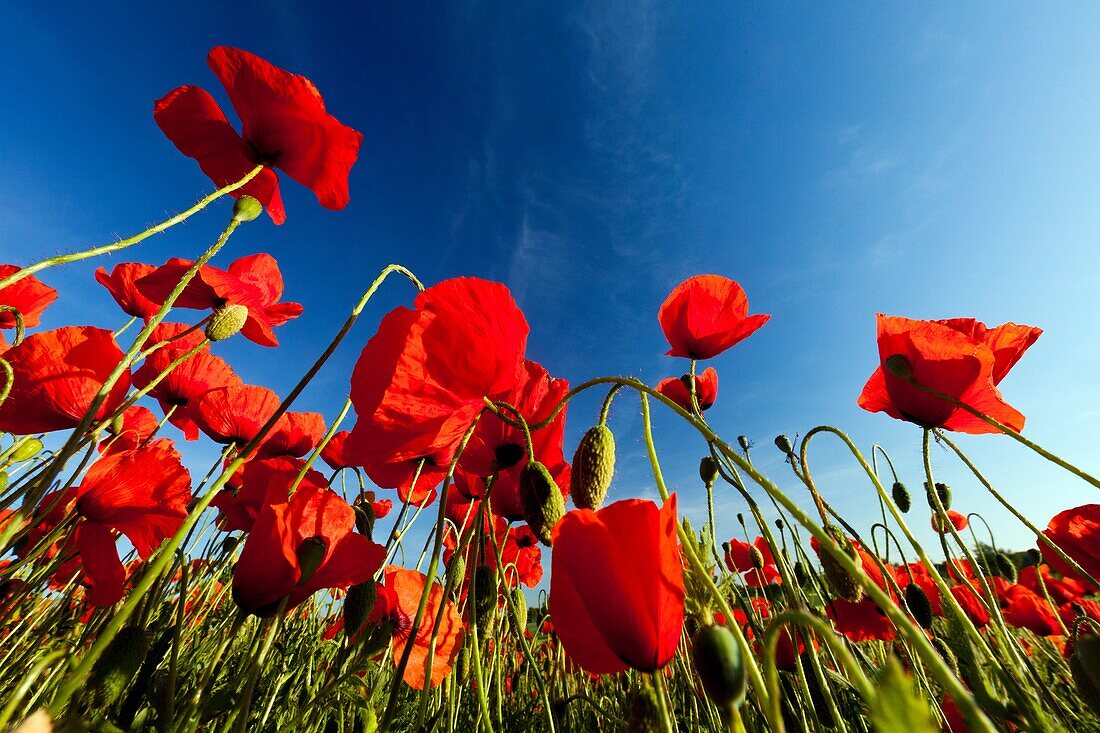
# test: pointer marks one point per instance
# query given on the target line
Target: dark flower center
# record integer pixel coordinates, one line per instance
(509, 454)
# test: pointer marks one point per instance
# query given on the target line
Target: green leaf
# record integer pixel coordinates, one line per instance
(897, 707)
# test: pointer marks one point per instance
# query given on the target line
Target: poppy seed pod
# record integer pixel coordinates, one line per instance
(919, 605)
(247, 208)
(717, 660)
(708, 470)
(901, 497)
(593, 467)
(121, 660)
(838, 578)
(542, 501)
(358, 604)
(783, 443)
(226, 322)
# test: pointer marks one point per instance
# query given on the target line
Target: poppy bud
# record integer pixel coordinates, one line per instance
(115, 427)
(121, 660)
(311, 553)
(1034, 557)
(229, 543)
(744, 443)
(717, 660)
(358, 604)
(843, 584)
(800, 573)
(226, 322)
(899, 366)
(520, 602)
(1084, 665)
(27, 449)
(364, 518)
(783, 443)
(644, 715)
(1005, 567)
(593, 466)
(456, 573)
(756, 557)
(946, 654)
(485, 580)
(919, 605)
(708, 470)
(943, 491)
(901, 497)
(247, 208)
(542, 501)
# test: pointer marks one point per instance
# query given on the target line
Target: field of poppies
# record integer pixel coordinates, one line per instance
(264, 592)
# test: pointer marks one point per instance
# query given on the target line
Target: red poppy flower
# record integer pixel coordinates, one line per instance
(617, 586)
(1062, 590)
(922, 578)
(234, 414)
(300, 545)
(137, 425)
(57, 375)
(705, 315)
(121, 284)
(519, 550)
(253, 281)
(1077, 532)
(957, 519)
(335, 452)
(30, 296)
(284, 124)
(183, 386)
(959, 357)
(971, 604)
(141, 493)
(258, 483)
(738, 557)
(861, 621)
(405, 588)
(679, 390)
(421, 380)
(1024, 609)
(296, 434)
(499, 448)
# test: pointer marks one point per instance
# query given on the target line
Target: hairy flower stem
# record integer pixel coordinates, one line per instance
(124, 243)
(662, 700)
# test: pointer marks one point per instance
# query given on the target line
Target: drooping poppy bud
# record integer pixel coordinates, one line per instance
(717, 660)
(358, 604)
(227, 322)
(919, 605)
(708, 470)
(743, 441)
(247, 208)
(485, 601)
(944, 493)
(783, 443)
(1004, 567)
(310, 553)
(838, 578)
(593, 467)
(121, 660)
(364, 518)
(756, 557)
(542, 500)
(520, 602)
(901, 497)
(456, 574)
(27, 448)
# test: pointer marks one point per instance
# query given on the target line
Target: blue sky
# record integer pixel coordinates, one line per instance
(927, 161)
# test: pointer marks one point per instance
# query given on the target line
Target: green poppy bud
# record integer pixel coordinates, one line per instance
(919, 605)
(744, 443)
(226, 322)
(708, 470)
(1005, 567)
(311, 553)
(899, 366)
(783, 443)
(944, 493)
(520, 602)
(541, 499)
(27, 449)
(358, 604)
(456, 573)
(717, 659)
(838, 578)
(485, 600)
(247, 208)
(902, 498)
(364, 518)
(593, 467)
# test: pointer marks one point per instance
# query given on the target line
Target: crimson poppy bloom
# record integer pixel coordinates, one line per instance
(136, 426)
(1077, 532)
(253, 281)
(617, 586)
(186, 383)
(679, 390)
(284, 124)
(335, 452)
(957, 519)
(959, 357)
(236, 413)
(295, 434)
(406, 587)
(57, 375)
(498, 448)
(971, 604)
(30, 296)
(257, 483)
(519, 550)
(300, 545)
(1025, 609)
(705, 315)
(421, 380)
(738, 557)
(142, 493)
(121, 283)
(1062, 590)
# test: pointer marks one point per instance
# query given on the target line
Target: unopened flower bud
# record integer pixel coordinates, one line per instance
(358, 604)
(593, 467)
(783, 443)
(247, 208)
(708, 470)
(364, 518)
(743, 441)
(1004, 567)
(311, 553)
(899, 366)
(901, 497)
(27, 449)
(756, 557)
(485, 600)
(520, 602)
(542, 501)
(456, 573)
(717, 659)
(839, 579)
(944, 493)
(226, 322)
(919, 605)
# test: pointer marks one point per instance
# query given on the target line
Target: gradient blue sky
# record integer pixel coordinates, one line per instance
(927, 161)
